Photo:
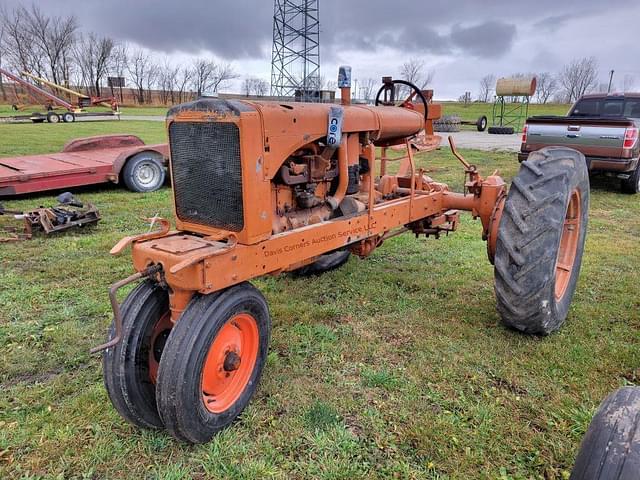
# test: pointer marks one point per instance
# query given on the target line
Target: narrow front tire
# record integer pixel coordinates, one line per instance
(212, 362)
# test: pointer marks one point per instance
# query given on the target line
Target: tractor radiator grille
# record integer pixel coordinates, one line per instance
(206, 171)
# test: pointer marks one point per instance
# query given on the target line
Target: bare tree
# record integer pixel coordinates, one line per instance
(19, 42)
(547, 86)
(2, 55)
(53, 37)
(487, 85)
(140, 67)
(207, 76)
(167, 81)
(256, 86)
(118, 65)
(628, 83)
(369, 89)
(92, 55)
(183, 80)
(222, 75)
(414, 71)
(578, 77)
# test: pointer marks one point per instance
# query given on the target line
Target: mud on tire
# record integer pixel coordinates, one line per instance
(541, 240)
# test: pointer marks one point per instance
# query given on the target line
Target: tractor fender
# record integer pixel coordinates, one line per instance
(159, 151)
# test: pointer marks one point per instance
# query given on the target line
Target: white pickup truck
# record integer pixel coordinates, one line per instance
(603, 127)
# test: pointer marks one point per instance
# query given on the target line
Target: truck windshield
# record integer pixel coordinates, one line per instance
(607, 107)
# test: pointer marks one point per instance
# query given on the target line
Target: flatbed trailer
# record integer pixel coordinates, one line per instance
(87, 161)
(56, 117)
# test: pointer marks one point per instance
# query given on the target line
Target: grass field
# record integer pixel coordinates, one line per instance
(392, 367)
(466, 112)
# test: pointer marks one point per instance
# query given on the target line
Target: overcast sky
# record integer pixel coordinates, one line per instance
(460, 40)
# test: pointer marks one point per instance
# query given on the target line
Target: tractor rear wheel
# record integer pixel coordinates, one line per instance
(325, 263)
(131, 367)
(212, 362)
(610, 449)
(541, 240)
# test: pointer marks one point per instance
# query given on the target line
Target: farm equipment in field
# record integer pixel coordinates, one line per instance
(268, 187)
(53, 101)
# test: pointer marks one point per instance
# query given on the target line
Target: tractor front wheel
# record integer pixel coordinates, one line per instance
(212, 362)
(130, 368)
(541, 240)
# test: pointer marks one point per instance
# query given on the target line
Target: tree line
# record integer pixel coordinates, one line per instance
(55, 48)
(575, 79)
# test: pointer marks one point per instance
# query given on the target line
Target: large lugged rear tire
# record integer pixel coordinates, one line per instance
(632, 184)
(541, 240)
(130, 368)
(610, 449)
(212, 362)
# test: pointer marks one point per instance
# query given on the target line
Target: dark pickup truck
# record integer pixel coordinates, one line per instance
(603, 127)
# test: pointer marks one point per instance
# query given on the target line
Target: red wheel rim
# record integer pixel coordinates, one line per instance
(158, 338)
(230, 362)
(568, 245)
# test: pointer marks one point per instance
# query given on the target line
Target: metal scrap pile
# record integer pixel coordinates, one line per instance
(69, 213)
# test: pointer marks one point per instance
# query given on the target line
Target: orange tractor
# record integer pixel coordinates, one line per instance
(268, 187)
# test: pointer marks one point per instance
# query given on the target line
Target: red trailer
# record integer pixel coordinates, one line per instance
(87, 161)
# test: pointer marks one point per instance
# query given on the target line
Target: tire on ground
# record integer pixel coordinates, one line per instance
(144, 172)
(68, 117)
(610, 449)
(448, 123)
(541, 240)
(501, 130)
(632, 184)
(481, 123)
(130, 366)
(328, 261)
(212, 362)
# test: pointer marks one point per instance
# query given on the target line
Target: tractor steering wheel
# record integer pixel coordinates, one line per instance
(389, 99)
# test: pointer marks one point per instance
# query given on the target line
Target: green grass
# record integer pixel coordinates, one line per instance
(475, 110)
(392, 367)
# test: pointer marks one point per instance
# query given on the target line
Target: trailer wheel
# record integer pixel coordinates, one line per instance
(327, 262)
(212, 362)
(68, 117)
(143, 172)
(541, 240)
(632, 184)
(53, 117)
(481, 123)
(610, 450)
(130, 368)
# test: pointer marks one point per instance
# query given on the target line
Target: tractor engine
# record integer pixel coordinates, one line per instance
(254, 169)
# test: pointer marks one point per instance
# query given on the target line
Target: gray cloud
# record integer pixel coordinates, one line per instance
(489, 39)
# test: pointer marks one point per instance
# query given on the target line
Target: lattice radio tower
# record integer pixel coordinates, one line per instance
(295, 61)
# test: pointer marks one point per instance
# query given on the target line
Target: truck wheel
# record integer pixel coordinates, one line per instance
(143, 172)
(501, 130)
(481, 123)
(53, 117)
(326, 262)
(212, 362)
(131, 367)
(632, 184)
(541, 240)
(610, 450)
